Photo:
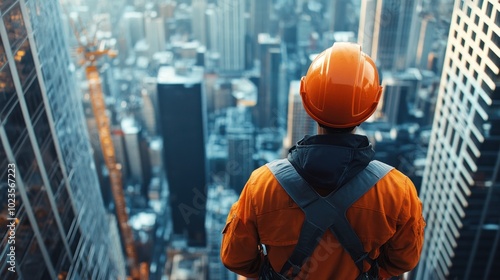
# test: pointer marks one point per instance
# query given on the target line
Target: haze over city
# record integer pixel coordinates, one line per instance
(128, 128)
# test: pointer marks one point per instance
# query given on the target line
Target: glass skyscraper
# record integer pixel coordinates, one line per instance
(461, 183)
(62, 228)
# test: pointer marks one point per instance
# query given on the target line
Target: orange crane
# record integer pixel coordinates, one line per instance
(91, 53)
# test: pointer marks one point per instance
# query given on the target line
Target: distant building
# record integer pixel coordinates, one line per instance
(399, 96)
(260, 15)
(299, 122)
(134, 25)
(266, 113)
(63, 230)
(183, 127)
(461, 186)
(231, 29)
(240, 144)
(385, 31)
(198, 24)
(219, 203)
(155, 33)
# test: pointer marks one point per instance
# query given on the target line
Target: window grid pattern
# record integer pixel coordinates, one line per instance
(459, 188)
(39, 77)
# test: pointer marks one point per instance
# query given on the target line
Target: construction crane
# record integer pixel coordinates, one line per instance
(91, 51)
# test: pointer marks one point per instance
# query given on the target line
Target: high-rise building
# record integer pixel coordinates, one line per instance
(134, 26)
(231, 36)
(299, 122)
(399, 95)
(62, 229)
(461, 184)
(155, 32)
(266, 111)
(183, 127)
(384, 31)
(219, 202)
(343, 15)
(240, 144)
(260, 15)
(199, 8)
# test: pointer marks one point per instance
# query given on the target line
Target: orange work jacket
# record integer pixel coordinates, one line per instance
(388, 220)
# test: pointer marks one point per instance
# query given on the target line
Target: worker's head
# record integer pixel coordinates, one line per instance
(341, 88)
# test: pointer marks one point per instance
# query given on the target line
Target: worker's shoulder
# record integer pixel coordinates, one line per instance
(394, 186)
(262, 178)
(397, 179)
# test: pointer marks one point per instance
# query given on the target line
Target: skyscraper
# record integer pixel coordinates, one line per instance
(183, 127)
(199, 8)
(299, 122)
(62, 227)
(461, 184)
(384, 31)
(155, 32)
(231, 36)
(240, 142)
(266, 111)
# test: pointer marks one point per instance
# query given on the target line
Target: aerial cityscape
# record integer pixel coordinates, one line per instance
(128, 128)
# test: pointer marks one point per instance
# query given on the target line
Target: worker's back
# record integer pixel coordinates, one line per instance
(340, 91)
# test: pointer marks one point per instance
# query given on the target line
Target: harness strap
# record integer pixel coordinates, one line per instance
(315, 207)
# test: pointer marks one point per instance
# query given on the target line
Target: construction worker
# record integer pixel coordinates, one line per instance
(340, 91)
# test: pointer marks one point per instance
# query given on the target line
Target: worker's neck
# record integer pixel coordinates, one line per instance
(322, 131)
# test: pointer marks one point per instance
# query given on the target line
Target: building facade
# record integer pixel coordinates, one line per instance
(183, 127)
(461, 184)
(62, 228)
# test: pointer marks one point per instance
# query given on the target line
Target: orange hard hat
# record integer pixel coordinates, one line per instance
(341, 88)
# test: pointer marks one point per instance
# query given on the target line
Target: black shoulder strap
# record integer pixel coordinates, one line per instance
(315, 206)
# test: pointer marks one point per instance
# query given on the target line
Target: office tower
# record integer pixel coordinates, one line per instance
(134, 25)
(266, 111)
(461, 187)
(299, 122)
(182, 120)
(131, 138)
(260, 15)
(231, 29)
(63, 230)
(155, 32)
(219, 202)
(150, 105)
(304, 31)
(399, 95)
(385, 31)
(431, 27)
(213, 43)
(343, 15)
(198, 24)
(240, 145)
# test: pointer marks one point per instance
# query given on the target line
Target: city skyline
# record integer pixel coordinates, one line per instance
(201, 92)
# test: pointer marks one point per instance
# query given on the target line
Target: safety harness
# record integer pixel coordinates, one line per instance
(329, 212)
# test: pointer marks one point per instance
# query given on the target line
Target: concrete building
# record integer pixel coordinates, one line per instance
(183, 127)
(461, 187)
(63, 230)
(299, 123)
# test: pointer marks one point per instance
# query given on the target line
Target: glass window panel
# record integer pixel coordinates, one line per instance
(7, 91)
(52, 240)
(33, 97)
(3, 56)
(34, 185)
(24, 235)
(24, 63)
(64, 208)
(5, 4)
(15, 127)
(14, 23)
(33, 265)
(42, 129)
